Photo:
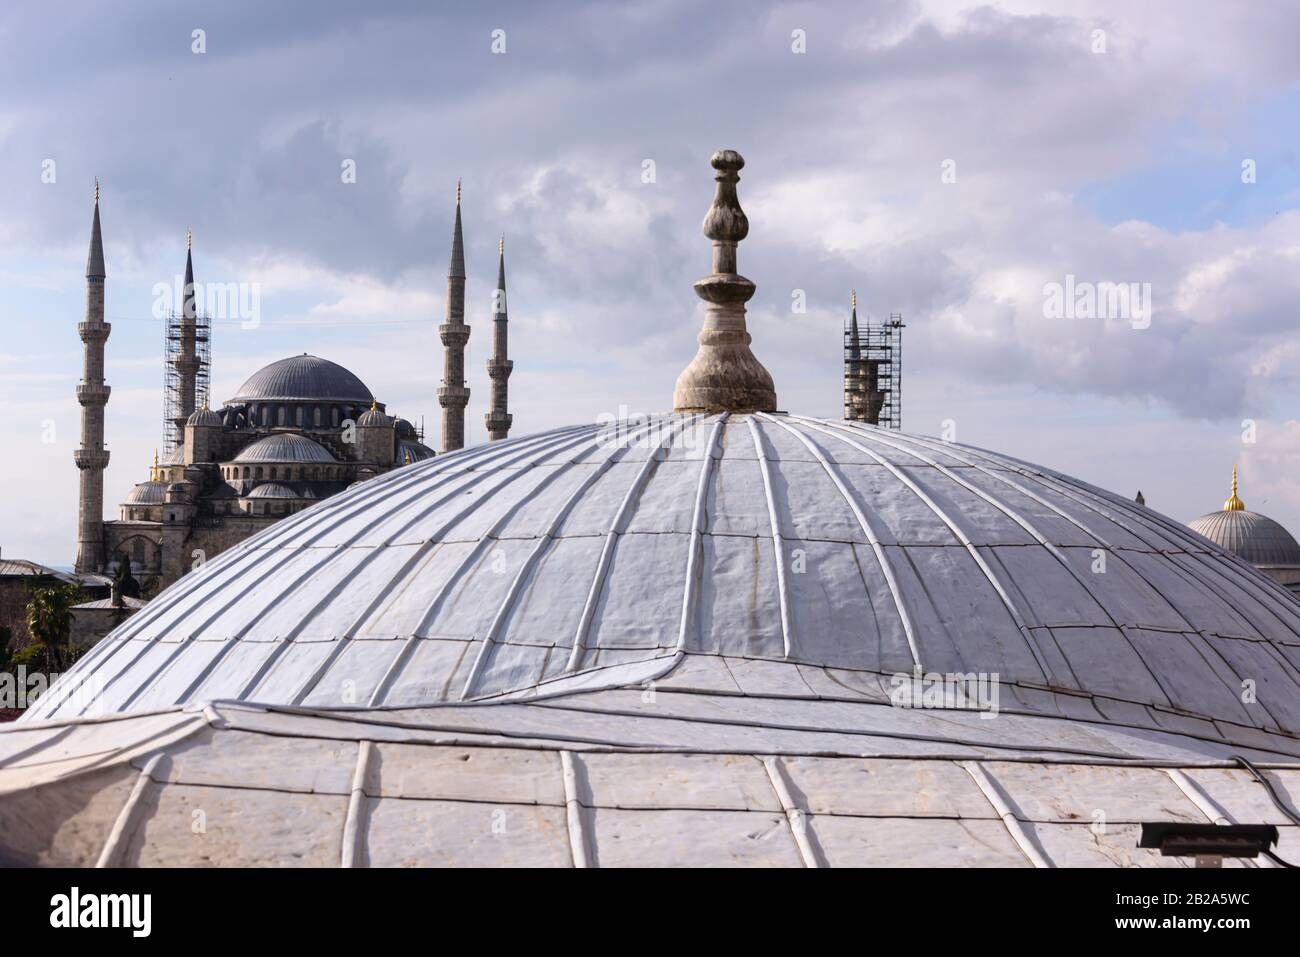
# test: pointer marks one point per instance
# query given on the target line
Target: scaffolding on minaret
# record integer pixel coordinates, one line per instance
(187, 356)
(873, 370)
(173, 347)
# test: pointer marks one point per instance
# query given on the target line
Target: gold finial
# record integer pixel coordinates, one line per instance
(189, 238)
(501, 246)
(457, 192)
(153, 469)
(855, 300)
(1234, 504)
(96, 189)
(205, 404)
(374, 405)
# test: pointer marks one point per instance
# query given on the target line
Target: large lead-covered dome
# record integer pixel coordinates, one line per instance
(607, 555)
(303, 377)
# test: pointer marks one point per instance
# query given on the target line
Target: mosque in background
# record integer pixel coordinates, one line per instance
(297, 431)
(1255, 538)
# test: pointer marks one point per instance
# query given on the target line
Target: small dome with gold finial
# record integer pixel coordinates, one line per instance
(1248, 535)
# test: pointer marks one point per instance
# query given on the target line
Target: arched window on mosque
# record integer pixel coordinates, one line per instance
(316, 419)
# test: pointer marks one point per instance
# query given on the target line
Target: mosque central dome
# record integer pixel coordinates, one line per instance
(303, 377)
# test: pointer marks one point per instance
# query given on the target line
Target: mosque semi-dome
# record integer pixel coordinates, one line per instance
(706, 637)
(285, 447)
(203, 417)
(273, 490)
(147, 493)
(302, 378)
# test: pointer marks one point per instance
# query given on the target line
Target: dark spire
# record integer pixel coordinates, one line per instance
(499, 305)
(854, 351)
(189, 308)
(457, 267)
(95, 261)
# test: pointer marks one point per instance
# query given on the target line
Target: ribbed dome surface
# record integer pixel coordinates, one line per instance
(304, 377)
(836, 552)
(204, 417)
(1248, 535)
(285, 447)
(147, 493)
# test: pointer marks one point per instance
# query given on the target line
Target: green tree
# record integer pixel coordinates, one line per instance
(49, 619)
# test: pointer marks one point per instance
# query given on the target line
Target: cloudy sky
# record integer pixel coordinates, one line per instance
(949, 160)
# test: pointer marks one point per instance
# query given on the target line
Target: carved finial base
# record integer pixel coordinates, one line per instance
(725, 376)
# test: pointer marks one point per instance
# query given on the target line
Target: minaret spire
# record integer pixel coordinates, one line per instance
(725, 376)
(92, 394)
(854, 384)
(499, 366)
(454, 396)
(186, 362)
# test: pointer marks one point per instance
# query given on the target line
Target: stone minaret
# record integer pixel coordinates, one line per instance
(92, 393)
(499, 366)
(454, 396)
(853, 384)
(725, 376)
(187, 360)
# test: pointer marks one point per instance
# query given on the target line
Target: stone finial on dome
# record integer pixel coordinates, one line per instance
(1234, 504)
(725, 376)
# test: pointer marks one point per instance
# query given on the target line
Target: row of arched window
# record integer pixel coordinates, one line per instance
(301, 416)
(285, 473)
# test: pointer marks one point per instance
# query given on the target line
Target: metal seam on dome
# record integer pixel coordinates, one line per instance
(616, 529)
(230, 643)
(543, 542)
(997, 798)
(992, 577)
(778, 544)
(694, 554)
(253, 565)
(125, 823)
(949, 450)
(1042, 540)
(427, 618)
(277, 533)
(797, 818)
(488, 641)
(341, 641)
(1006, 510)
(354, 831)
(573, 808)
(886, 567)
(1214, 812)
(1077, 493)
(1190, 548)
